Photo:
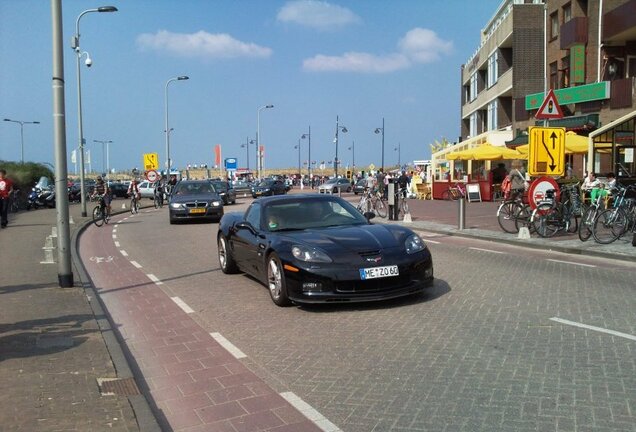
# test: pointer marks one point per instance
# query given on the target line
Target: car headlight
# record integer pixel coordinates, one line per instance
(176, 205)
(414, 244)
(215, 203)
(309, 254)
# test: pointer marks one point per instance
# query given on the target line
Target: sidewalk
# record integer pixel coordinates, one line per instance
(56, 345)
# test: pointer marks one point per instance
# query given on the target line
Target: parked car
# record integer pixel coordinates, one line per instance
(118, 190)
(335, 184)
(224, 189)
(360, 186)
(147, 189)
(269, 187)
(195, 199)
(313, 249)
(241, 187)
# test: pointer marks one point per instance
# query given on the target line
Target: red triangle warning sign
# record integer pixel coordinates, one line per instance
(550, 108)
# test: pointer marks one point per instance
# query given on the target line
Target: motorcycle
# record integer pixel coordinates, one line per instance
(41, 195)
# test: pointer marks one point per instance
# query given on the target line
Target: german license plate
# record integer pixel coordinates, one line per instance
(197, 210)
(379, 272)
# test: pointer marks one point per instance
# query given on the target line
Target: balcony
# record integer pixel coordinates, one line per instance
(574, 32)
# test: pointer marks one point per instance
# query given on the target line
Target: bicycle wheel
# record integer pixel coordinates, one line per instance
(98, 218)
(523, 213)
(609, 225)
(133, 206)
(380, 208)
(587, 221)
(156, 201)
(404, 207)
(506, 218)
(545, 220)
(447, 195)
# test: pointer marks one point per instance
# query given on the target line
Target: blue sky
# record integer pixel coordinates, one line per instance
(313, 60)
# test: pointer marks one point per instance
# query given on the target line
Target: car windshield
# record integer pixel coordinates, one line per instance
(266, 183)
(300, 214)
(194, 188)
(220, 186)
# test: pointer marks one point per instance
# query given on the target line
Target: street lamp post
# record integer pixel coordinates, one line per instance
(22, 123)
(308, 136)
(298, 147)
(105, 155)
(336, 161)
(353, 156)
(399, 150)
(259, 162)
(248, 141)
(167, 129)
(75, 44)
(378, 130)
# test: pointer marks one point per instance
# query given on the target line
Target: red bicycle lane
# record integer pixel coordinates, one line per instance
(191, 380)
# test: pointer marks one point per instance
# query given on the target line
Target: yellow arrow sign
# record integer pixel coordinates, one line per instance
(151, 161)
(546, 153)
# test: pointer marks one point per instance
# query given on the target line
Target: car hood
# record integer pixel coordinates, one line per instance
(194, 197)
(358, 238)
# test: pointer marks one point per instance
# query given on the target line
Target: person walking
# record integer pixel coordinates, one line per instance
(6, 188)
(517, 177)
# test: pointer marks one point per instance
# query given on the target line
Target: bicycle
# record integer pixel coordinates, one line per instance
(402, 204)
(14, 201)
(453, 193)
(101, 214)
(134, 204)
(372, 201)
(513, 213)
(590, 214)
(158, 198)
(613, 223)
(552, 215)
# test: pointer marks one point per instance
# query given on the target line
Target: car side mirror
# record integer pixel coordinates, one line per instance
(245, 225)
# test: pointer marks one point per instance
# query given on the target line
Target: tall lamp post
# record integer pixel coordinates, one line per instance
(336, 161)
(259, 163)
(353, 156)
(308, 135)
(22, 123)
(298, 147)
(248, 141)
(167, 129)
(399, 150)
(105, 155)
(378, 130)
(75, 44)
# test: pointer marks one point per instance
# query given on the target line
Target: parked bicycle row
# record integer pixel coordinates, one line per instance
(606, 217)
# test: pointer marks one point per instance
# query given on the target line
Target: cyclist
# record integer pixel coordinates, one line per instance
(517, 177)
(159, 193)
(403, 182)
(133, 189)
(102, 191)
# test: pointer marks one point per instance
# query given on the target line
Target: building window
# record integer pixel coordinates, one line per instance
(554, 76)
(473, 86)
(473, 125)
(554, 25)
(493, 70)
(567, 12)
(631, 66)
(565, 72)
(492, 115)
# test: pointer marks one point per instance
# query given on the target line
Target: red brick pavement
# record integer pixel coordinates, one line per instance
(194, 382)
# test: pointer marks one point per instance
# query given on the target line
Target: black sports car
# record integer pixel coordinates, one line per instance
(319, 248)
(269, 187)
(226, 192)
(194, 199)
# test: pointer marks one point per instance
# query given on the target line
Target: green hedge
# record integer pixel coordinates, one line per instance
(25, 175)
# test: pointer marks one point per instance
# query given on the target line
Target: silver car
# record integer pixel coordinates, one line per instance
(335, 184)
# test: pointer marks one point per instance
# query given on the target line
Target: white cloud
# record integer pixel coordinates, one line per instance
(417, 46)
(423, 45)
(317, 14)
(201, 44)
(356, 62)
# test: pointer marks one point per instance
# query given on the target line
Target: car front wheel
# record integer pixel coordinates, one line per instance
(276, 281)
(226, 260)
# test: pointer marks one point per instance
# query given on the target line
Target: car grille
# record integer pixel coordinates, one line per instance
(196, 204)
(372, 285)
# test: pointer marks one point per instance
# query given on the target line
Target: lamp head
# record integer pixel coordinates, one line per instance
(107, 9)
(269, 106)
(304, 136)
(344, 130)
(377, 130)
(89, 61)
(183, 77)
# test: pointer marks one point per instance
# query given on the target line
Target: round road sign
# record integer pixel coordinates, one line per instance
(152, 176)
(537, 189)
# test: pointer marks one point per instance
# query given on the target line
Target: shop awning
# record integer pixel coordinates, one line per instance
(587, 122)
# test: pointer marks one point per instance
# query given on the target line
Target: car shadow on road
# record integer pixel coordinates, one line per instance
(439, 289)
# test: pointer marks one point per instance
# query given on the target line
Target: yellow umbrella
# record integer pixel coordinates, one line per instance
(574, 144)
(491, 152)
(460, 155)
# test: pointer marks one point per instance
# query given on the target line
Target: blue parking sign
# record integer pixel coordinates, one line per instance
(231, 164)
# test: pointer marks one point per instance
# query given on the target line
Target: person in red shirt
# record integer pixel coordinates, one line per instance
(6, 187)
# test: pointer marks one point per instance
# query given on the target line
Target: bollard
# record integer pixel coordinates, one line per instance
(461, 223)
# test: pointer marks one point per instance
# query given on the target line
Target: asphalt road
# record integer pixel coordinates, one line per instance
(496, 345)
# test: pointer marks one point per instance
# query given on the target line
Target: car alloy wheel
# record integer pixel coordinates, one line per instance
(276, 281)
(226, 261)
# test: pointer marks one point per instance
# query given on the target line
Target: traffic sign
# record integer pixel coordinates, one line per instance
(151, 161)
(538, 188)
(152, 176)
(550, 108)
(546, 155)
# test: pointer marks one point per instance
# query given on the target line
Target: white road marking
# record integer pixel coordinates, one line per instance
(570, 262)
(187, 309)
(116, 244)
(155, 279)
(136, 264)
(598, 329)
(309, 412)
(116, 225)
(123, 252)
(486, 250)
(228, 345)
(427, 240)
(114, 236)
(114, 230)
